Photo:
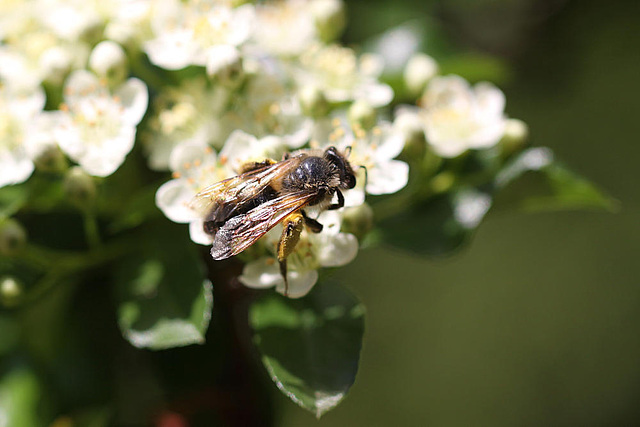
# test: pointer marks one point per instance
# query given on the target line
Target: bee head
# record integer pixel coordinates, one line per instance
(347, 177)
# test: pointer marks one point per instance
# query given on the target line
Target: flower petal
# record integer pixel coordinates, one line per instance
(197, 234)
(387, 177)
(340, 249)
(173, 198)
(134, 97)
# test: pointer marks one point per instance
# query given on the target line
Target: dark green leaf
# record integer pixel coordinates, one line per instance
(439, 225)
(138, 209)
(534, 181)
(311, 346)
(164, 299)
(12, 198)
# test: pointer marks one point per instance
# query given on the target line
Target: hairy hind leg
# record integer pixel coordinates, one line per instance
(292, 227)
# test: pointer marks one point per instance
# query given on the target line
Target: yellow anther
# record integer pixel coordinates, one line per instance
(274, 109)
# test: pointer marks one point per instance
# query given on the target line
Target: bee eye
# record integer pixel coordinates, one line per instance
(350, 181)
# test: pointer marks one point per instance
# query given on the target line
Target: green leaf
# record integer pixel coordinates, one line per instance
(164, 300)
(534, 181)
(12, 198)
(20, 399)
(440, 225)
(311, 346)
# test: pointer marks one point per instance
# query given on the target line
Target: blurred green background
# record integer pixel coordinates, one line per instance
(537, 322)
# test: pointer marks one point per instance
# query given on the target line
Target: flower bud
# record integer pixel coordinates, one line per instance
(10, 291)
(419, 70)
(13, 237)
(330, 18)
(79, 187)
(516, 134)
(362, 115)
(108, 60)
(442, 182)
(50, 159)
(224, 63)
(357, 220)
(313, 102)
(55, 62)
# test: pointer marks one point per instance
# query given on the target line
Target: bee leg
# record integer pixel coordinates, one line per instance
(340, 203)
(251, 166)
(292, 227)
(313, 225)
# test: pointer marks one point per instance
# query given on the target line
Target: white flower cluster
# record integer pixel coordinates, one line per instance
(232, 81)
(454, 116)
(60, 46)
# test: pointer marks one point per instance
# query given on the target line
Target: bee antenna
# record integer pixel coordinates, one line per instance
(366, 175)
(347, 151)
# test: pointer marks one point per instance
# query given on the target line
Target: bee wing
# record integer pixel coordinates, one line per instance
(241, 231)
(238, 189)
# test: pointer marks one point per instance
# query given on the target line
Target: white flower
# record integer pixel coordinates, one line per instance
(330, 248)
(342, 76)
(37, 56)
(458, 117)
(108, 60)
(188, 33)
(129, 22)
(195, 166)
(373, 150)
(71, 20)
(189, 112)
(95, 128)
(267, 108)
(17, 110)
(284, 28)
(419, 70)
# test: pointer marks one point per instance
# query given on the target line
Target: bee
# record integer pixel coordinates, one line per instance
(239, 210)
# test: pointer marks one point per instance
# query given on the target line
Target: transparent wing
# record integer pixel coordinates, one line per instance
(236, 191)
(241, 231)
